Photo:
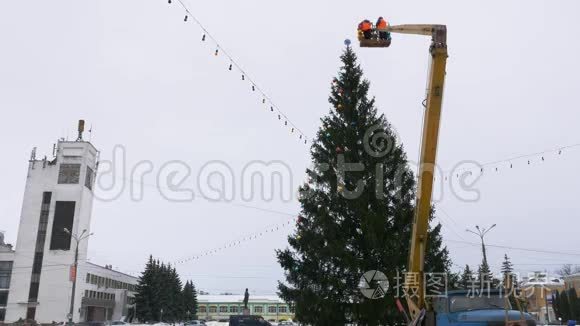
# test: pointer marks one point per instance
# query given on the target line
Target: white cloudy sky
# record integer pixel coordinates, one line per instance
(143, 79)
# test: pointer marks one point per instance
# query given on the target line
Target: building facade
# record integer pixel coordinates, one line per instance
(6, 261)
(538, 290)
(56, 211)
(219, 307)
(572, 282)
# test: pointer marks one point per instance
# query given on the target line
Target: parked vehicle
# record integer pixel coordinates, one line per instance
(250, 320)
(195, 323)
(459, 308)
(286, 323)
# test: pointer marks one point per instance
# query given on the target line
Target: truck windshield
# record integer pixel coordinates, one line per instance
(467, 303)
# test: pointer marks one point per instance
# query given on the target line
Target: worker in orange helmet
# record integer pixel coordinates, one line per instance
(382, 23)
(367, 28)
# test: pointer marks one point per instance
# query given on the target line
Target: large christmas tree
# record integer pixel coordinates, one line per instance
(357, 212)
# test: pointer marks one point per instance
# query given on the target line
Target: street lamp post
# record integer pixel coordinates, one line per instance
(481, 232)
(77, 238)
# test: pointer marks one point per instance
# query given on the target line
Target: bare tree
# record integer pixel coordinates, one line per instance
(568, 269)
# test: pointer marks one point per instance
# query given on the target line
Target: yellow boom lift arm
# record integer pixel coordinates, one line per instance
(431, 119)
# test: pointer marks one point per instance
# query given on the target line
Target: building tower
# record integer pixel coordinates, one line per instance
(58, 196)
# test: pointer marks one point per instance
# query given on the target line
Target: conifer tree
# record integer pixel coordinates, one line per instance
(507, 271)
(160, 289)
(146, 298)
(189, 297)
(574, 304)
(484, 275)
(467, 278)
(357, 212)
(565, 306)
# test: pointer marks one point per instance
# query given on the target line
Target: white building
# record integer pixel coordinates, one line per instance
(221, 307)
(58, 196)
(6, 259)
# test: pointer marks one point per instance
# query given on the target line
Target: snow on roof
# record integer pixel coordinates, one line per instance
(238, 298)
(110, 270)
(572, 275)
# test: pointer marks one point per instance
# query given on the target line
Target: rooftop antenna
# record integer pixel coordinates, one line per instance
(53, 150)
(91, 133)
(33, 156)
(81, 129)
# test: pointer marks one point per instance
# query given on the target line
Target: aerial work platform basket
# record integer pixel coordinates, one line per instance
(374, 41)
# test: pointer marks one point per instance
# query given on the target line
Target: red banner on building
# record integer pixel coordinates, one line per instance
(73, 273)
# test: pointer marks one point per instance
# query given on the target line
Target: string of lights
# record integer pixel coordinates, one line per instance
(234, 65)
(528, 159)
(236, 243)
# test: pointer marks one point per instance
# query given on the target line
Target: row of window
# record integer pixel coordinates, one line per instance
(109, 283)
(99, 295)
(236, 309)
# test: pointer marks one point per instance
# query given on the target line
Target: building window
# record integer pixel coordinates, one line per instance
(271, 309)
(64, 213)
(33, 292)
(5, 274)
(69, 173)
(258, 309)
(89, 178)
(2, 314)
(282, 309)
(202, 309)
(212, 309)
(3, 298)
(31, 313)
(234, 309)
(223, 308)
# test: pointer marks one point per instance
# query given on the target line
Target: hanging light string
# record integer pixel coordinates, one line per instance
(266, 99)
(238, 242)
(495, 165)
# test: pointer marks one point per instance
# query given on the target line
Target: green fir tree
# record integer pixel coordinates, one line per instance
(160, 294)
(467, 278)
(146, 298)
(189, 298)
(357, 212)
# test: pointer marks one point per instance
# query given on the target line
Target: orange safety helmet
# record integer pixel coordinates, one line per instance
(382, 23)
(365, 25)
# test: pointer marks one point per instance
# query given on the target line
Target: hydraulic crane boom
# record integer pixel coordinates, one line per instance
(433, 102)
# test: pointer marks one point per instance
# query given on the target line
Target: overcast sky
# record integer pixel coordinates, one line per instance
(142, 78)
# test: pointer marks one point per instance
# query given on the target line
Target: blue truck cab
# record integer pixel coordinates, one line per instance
(460, 308)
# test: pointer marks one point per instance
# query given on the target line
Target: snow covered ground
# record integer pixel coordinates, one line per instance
(209, 323)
